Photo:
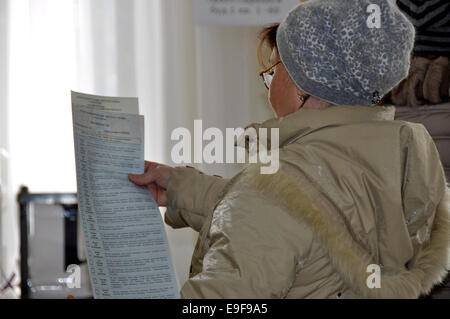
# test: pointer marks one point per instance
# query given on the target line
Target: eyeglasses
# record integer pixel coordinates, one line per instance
(267, 74)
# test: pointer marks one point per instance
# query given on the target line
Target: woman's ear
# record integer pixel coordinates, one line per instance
(313, 102)
(302, 97)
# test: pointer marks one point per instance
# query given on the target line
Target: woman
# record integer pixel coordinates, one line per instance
(359, 207)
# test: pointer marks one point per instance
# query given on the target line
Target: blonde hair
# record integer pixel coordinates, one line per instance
(268, 37)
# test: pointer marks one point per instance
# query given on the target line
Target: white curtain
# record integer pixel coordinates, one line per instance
(145, 48)
(8, 220)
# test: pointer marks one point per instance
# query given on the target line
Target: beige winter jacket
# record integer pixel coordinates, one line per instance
(355, 188)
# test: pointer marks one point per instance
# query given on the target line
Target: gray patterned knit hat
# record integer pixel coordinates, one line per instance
(332, 52)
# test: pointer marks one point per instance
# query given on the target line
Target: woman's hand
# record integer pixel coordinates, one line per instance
(156, 177)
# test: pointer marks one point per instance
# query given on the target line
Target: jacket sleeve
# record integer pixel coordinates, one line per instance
(191, 195)
(424, 182)
(255, 247)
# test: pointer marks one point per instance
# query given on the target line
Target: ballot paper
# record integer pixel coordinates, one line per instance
(126, 244)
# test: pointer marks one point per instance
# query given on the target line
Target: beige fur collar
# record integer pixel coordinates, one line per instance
(431, 261)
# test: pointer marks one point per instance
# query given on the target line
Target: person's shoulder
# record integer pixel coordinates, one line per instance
(411, 131)
(402, 124)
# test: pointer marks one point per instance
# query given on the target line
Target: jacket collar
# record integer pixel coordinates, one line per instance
(305, 121)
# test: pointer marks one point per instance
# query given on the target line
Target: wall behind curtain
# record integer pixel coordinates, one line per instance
(150, 49)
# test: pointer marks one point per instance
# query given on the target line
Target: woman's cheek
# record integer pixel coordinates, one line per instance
(274, 91)
(272, 97)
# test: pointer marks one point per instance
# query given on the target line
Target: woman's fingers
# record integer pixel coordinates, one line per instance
(162, 196)
(150, 165)
(149, 175)
(154, 173)
(158, 193)
(153, 188)
(156, 177)
(144, 179)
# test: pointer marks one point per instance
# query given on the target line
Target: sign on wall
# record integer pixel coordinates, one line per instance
(242, 12)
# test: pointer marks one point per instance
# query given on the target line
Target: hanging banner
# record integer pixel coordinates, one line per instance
(242, 12)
